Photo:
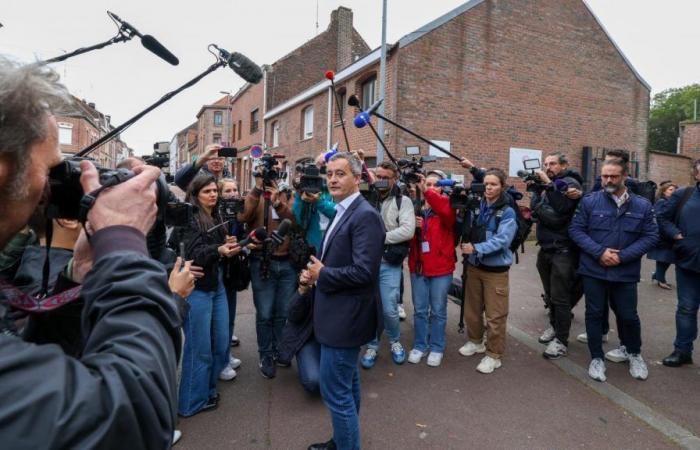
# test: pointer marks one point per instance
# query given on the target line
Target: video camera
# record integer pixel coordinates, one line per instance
(311, 180)
(528, 173)
(411, 168)
(229, 208)
(466, 198)
(269, 172)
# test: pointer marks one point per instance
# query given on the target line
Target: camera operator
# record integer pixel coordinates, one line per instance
(207, 337)
(313, 207)
(121, 392)
(209, 163)
(272, 275)
(233, 282)
(557, 260)
(400, 225)
(486, 240)
(431, 262)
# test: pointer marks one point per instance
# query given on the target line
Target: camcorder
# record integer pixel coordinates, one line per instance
(528, 171)
(411, 168)
(229, 208)
(466, 198)
(311, 180)
(269, 172)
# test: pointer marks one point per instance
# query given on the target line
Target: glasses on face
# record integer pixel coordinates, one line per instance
(611, 177)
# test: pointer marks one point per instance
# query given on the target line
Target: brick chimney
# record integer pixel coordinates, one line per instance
(342, 18)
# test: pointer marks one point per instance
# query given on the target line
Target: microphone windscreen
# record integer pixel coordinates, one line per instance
(330, 75)
(361, 120)
(245, 68)
(158, 49)
(255, 236)
(353, 101)
(283, 229)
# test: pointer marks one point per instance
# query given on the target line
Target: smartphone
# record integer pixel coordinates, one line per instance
(228, 152)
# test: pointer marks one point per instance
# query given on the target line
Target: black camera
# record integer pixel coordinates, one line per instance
(467, 198)
(411, 168)
(311, 180)
(230, 207)
(529, 176)
(269, 172)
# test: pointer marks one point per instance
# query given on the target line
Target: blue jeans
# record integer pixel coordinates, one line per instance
(340, 389)
(232, 299)
(623, 302)
(389, 287)
(271, 297)
(430, 307)
(687, 310)
(309, 365)
(206, 348)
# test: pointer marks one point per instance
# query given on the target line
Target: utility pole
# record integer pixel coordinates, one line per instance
(382, 86)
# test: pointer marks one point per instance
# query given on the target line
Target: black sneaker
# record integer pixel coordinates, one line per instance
(267, 367)
(280, 362)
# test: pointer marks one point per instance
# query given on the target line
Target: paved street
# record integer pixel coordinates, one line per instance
(528, 403)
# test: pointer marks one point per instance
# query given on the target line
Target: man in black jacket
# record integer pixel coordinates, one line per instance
(557, 259)
(121, 392)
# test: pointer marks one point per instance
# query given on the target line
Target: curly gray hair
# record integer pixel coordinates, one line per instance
(28, 92)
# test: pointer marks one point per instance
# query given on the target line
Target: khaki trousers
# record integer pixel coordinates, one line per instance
(487, 292)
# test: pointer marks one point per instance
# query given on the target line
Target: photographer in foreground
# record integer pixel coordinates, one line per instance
(121, 392)
(486, 240)
(557, 260)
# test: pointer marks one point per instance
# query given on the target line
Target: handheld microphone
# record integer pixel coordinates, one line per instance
(446, 183)
(281, 232)
(375, 106)
(148, 41)
(330, 75)
(255, 237)
(361, 119)
(242, 65)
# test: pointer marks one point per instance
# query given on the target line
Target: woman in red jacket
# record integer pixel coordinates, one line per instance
(431, 262)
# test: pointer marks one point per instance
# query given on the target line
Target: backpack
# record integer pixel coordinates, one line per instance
(394, 254)
(523, 217)
(646, 189)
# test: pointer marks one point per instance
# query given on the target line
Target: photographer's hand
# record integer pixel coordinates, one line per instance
(181, 282)
(210, 151)
(132, 203)
(82, 259)
(573, 193)
(466, 163)
(542, 175)
(310, 198)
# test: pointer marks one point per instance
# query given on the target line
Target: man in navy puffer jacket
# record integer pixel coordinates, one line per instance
(614, 228)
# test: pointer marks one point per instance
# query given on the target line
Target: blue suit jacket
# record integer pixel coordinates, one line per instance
(347, 304)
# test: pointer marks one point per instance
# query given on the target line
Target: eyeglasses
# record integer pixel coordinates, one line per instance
(612, 177)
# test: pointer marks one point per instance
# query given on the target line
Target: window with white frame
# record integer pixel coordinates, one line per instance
(308, 117)
(65, 133)
(276, 133)
(368, 92)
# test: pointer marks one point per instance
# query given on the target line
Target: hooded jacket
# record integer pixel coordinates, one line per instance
(438, 232)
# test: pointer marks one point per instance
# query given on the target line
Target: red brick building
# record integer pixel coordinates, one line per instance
(678, 167)
(213, 124)
(83, 125)
(485, 78)
(247, 110)
(186, 142)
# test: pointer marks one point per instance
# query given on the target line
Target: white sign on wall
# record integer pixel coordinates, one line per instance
(518, 155)
(435, 152)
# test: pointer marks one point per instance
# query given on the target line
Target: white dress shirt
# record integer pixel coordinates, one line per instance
(340, 209)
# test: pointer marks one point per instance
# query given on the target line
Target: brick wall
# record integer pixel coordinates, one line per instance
(670, 166)
(690, 139)
(206, 128)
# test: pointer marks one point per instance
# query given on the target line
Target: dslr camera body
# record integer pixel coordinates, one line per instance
(270, 173)
(528, 175)
(411, 168)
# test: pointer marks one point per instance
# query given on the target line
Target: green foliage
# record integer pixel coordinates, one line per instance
(668, 108)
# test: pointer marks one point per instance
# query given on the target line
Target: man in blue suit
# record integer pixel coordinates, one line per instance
(346, 297)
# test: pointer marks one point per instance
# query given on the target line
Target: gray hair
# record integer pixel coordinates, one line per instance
(355, 164)
(28, 93)
(561, 158)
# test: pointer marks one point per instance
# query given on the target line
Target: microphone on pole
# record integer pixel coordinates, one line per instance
(255, 237)
(241, 64)
(281, 232)
(148, 41)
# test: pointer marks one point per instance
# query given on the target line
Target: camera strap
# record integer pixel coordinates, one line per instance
(86, 203)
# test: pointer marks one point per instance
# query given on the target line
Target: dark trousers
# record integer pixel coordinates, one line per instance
(687, 310)
(309, 365)
(558, 274)
(340, 389)
(623, 301)
(660, 272)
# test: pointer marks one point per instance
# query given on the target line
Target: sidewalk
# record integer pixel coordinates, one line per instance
(528, 403)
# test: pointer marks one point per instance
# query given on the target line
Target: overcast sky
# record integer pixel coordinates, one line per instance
(660, 38)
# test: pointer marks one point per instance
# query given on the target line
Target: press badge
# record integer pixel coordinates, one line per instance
(425, 246)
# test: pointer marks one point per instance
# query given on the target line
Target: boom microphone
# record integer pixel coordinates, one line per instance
(281, 232)
(353, 101)
(242, 65)
(148, 41)
(255, 237)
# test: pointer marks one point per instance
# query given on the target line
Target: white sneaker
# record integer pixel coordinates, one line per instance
(177, 434)
(555, 349)
(583, 337)
(618, 354)
(471, 348)
(402, 312)
(434, 359)
(415, 356)
(596, 369)
(548, 335)
(227, 374)
(638, 368)
(234, 362)
(488, 364)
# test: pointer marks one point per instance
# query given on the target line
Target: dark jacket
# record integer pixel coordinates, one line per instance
(203, 249)
(188, 172)
(122, 392)
(29, 274)
(598, 224)
(347, 305)
(299, 327)
(663, 251)
(687, 250)
(553, 210)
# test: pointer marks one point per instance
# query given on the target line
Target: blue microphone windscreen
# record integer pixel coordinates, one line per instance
(361, 120)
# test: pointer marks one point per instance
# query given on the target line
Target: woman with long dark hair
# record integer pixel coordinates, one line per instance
(205, 356)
